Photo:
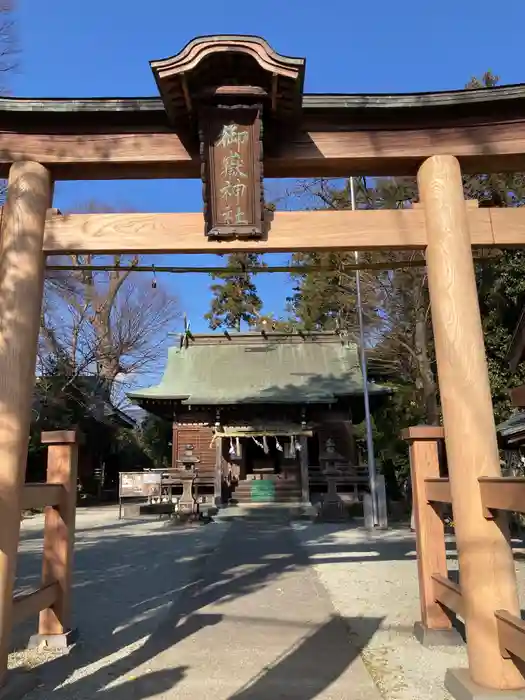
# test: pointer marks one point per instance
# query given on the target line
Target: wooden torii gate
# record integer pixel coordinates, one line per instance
(229, 108)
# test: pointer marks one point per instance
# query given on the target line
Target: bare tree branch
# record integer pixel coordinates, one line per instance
(112, 324)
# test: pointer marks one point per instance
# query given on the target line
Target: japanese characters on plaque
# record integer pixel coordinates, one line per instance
(232, 172)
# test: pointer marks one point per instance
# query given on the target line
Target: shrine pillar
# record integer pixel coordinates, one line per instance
(21, 284)
(218, 475)
(488, 577)
(304, 472)
(174, 444)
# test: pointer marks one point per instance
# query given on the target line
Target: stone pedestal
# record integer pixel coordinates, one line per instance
(460, 685)
(187, 502)
(188, 508)
(437, 638)
(332, 507)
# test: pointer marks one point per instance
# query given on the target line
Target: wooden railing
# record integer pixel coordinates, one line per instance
(52, 600)
(439, 595)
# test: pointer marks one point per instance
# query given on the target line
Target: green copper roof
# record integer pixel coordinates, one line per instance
(513, 425)
(246, 370)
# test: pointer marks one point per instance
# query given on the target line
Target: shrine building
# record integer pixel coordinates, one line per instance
(264, 407)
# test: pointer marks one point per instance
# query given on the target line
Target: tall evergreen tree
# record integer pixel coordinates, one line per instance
(235, 300)
(501, 292)
(397, 323)
(395, 299)
(322, 300)
(326, 299)
(155, 436)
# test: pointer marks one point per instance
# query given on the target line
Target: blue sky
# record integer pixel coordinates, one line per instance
(102, 48)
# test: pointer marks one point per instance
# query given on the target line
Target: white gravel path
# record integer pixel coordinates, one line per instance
(128, 574)
(371, 575)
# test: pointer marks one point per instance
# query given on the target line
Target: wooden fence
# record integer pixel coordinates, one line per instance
(439, 595)
(52, 600)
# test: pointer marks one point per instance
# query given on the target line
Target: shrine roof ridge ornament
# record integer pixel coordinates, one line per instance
(229, 64)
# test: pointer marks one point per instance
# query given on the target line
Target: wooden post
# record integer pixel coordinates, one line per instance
(368, 512)
(21, 284)
(218, 472)
(382, 505)
(488, 577)
(435, 627)
(305, 477)
(59, 530)
(174, 445)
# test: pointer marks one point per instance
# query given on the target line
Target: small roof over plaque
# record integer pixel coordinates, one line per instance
(208, 65)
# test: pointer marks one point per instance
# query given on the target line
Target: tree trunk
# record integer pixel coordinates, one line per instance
(426, 375)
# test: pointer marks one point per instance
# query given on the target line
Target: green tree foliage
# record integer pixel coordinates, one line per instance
(395, 305)
(323, 300)
(155, 437)
(400, 346)
(395, 412)
(235, 300)
(394, 292)
(60, 399)
(501, 289)
(501, 279)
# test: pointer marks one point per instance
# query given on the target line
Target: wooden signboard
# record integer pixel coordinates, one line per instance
(139, 484)
(231, 151)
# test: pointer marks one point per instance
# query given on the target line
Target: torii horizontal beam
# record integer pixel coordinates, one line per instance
(314, 152)
(288, 231)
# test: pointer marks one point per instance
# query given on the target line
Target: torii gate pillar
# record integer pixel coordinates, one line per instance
(21, 284)
(488, 577)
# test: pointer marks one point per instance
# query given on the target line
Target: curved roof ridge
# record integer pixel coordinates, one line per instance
(380, 100)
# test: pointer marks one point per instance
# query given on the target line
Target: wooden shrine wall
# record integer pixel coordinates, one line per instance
(201, 438)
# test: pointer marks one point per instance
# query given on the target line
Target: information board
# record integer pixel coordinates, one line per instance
(139, 484)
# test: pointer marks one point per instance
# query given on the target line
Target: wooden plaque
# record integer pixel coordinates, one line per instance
(231, 151)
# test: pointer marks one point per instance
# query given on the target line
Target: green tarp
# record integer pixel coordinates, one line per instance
(262, 491)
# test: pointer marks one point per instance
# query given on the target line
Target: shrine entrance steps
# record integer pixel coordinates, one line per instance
(266, 491)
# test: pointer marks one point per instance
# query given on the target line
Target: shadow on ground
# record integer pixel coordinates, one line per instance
(132, 604)
(318, 661)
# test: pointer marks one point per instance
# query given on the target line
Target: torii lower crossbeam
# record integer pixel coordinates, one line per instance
(288, 231)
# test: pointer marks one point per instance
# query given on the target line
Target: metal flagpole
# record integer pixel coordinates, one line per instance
(368, 420)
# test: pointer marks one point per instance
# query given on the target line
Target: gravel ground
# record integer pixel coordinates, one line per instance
(128, 575)
(371, 575)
